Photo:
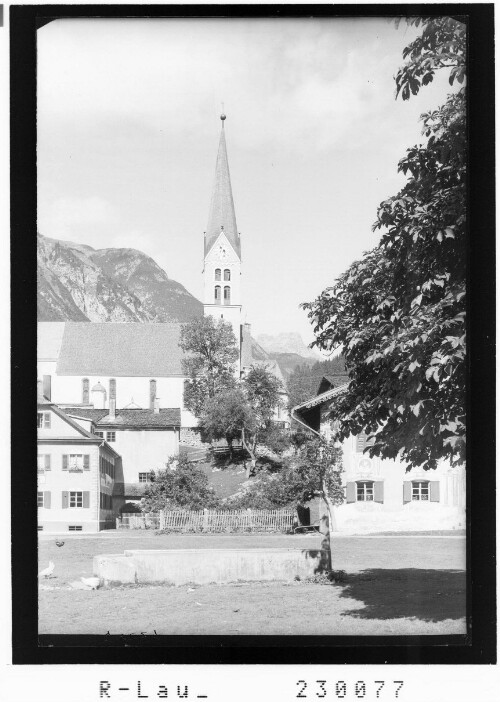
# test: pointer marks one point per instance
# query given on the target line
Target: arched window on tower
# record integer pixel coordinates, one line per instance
(85, 391)
(227, 274)
(217, 295)
(217, 274)
(227, 295)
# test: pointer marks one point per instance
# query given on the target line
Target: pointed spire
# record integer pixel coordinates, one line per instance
(222, 216)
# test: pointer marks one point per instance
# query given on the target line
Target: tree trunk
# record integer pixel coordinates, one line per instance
(251, 452)
(230, 446)
(328, 525)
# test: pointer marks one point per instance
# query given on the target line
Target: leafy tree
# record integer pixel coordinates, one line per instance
(315, 471)
(211, 350)
(182, 485)
(225, 415)
(398, 314)
(263, 395)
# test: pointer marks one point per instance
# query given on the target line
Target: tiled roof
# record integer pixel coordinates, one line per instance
(120, 349)
(222, 205)
(167, 417)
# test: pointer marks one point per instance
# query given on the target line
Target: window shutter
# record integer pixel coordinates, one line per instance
(86, 498)
(406, 491)
(434, 487)
(47, 461)
(65, 461)
(350, 492)
(46, 420)
(378, 491)
(360, 443)
(86, 461)
(65, 499)
(46, 500)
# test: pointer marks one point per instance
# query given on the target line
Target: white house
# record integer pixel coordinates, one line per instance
(380, 494)
(77, 474)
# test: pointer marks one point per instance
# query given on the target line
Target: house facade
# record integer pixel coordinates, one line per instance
(77, 475)
(380, 495)
(144, 439)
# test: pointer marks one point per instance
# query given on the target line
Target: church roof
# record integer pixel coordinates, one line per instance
(222, 216)
(109, 349)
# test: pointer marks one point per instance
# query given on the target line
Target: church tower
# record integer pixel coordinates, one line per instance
(222, 262)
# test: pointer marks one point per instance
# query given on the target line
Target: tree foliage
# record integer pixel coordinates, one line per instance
(182, 485)
(262, 391)
(399, 313)
(225, 415)
(211, 352)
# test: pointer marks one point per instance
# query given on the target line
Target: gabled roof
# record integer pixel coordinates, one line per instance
(60, 413)
(332, 381)
(114, 349)
(307, 412)
(132, 418)
(222, 215)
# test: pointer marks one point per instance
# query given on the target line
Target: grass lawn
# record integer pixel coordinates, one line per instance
(401, 585)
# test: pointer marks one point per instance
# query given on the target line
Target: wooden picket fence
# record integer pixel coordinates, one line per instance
(213, 521)
(136, 520)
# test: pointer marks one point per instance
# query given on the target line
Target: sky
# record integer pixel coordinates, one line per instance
(128, 131)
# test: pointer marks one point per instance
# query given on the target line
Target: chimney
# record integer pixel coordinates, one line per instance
(157, 405)
(112, 409)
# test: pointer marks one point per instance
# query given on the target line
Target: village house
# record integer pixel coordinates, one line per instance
(77, 474)
(380, 494)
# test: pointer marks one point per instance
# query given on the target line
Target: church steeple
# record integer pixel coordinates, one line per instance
(222, 217)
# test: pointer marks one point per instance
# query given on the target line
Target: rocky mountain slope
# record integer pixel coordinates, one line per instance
(79, 283)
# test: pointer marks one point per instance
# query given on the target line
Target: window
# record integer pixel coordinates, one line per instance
(227, 274)
(43, 420)
(217, 294)
(364, 491)
(112, 389)
(43, 462)
(85, 391)
(362, 441)
(227, 295)
(74, 527)
(111, 436)
(76, 499)
(39, 499)
(144, 477)
(420, 490)
(217, 274)
(76, 462)
(100, 434)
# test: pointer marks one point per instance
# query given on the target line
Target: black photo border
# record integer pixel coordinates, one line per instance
(479, 645)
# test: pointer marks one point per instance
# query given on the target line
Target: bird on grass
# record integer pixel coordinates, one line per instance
(47, 572)
(93, 583)
(59, 543)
